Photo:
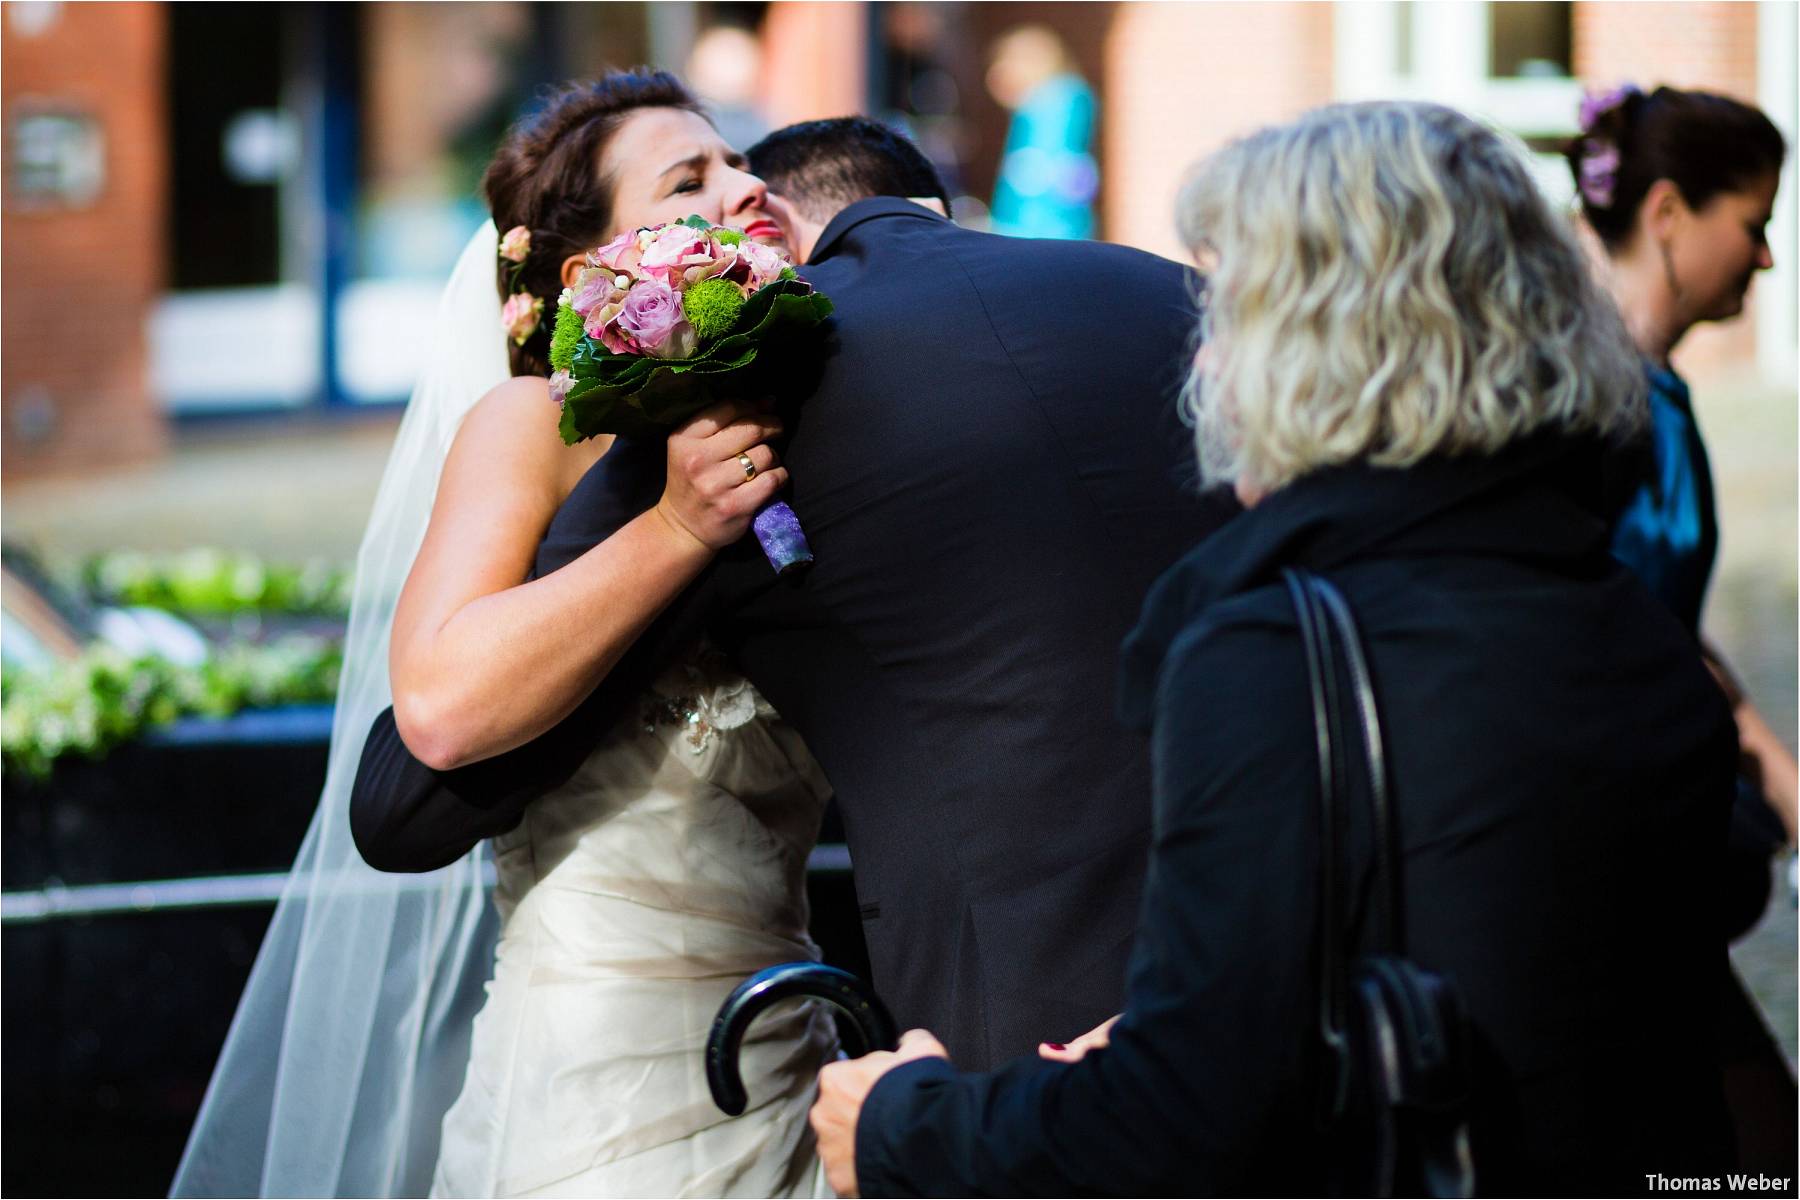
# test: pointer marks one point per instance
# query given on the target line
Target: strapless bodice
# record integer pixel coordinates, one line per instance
(633, 899)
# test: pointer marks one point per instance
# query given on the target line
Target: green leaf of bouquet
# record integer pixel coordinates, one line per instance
(695, 221)
(789, 311)
(594, 361)
(712, 365)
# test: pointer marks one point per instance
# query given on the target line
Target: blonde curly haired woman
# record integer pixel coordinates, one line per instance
(1407, 374)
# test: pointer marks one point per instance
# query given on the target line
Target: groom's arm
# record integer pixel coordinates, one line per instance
(405, 816)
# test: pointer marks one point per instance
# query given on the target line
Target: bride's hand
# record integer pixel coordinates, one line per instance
(1093, 1039)
(711, 493)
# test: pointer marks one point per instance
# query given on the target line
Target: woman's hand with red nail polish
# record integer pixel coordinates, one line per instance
(1075, 1051)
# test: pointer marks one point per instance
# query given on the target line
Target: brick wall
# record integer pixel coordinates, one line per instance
(79, 283)
(1706, 46)
(798, 36)
(1186, 78)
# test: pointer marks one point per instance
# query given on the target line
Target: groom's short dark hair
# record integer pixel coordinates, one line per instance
(821, 166)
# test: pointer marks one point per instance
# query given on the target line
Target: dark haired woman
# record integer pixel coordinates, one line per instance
(1679, 187)
(633, 897)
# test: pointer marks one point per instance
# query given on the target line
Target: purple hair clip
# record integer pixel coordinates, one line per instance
(1595, 105)
(1599, 172)
(1599, 165)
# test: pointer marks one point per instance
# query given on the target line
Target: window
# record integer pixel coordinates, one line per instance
(54, 159)
(1530, 40)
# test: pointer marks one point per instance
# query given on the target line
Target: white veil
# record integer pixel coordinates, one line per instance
(352, 1036)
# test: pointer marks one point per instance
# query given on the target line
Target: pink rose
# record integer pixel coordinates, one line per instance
(595, 287)
(675, 249)
(603, 326)
(619, 255)
(602, 322)
(560, 383)
(519, 316)
(766, 263)
(516, 245)
(652, 317)
(724, 262)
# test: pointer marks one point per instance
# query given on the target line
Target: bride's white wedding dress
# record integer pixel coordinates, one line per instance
(634, 898)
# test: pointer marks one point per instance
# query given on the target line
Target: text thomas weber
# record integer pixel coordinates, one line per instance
(1718, 1183)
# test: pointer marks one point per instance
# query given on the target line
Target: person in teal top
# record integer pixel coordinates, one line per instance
(1667, 531)
(1048, 178)
(1679, 186)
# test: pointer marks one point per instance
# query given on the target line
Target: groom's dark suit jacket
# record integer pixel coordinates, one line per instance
(992, 470)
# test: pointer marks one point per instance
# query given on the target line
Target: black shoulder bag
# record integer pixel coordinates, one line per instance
(1396, 1037)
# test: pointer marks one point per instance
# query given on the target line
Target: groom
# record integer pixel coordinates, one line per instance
(991, 472)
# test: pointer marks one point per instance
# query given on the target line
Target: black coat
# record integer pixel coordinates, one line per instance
(992, 471)
(1562, 768)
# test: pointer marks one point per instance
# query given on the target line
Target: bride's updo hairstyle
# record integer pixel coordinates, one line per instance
(547, 176)
(1387, 283)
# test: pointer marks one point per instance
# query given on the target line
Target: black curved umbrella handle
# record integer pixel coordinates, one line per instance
(869, 1017)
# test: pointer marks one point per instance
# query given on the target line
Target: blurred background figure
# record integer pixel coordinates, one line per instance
(1048, 178)
(922, 64)
(724, 69)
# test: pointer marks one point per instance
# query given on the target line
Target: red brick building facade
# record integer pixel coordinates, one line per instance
(85, 267)
(80, 274)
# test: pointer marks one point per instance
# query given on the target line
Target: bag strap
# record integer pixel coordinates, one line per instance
(1389, 926)
(1334, 973)
(1328, 632)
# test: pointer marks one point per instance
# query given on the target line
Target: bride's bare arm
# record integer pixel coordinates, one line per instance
(482, 661)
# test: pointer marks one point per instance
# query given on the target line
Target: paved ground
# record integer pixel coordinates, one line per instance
(292, 490)
(1751, 616)
(286, 491)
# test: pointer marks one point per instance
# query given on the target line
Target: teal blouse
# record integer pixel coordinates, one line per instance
(1668, 531)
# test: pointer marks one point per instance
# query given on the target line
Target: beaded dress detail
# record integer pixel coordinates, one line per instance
(633, 899)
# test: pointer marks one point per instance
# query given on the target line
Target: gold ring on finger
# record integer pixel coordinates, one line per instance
(749, 467)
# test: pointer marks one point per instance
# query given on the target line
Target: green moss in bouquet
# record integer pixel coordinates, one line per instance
(712, 307)
(566, 336)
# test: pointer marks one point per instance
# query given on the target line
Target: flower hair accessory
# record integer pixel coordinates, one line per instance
(1598, 166)
(1599, 171)
(1595, 105)
(516, 245)
(521, 313)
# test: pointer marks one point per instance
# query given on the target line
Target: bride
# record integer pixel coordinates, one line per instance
(631, 899)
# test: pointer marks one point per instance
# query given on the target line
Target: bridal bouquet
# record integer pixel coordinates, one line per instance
(671, 319)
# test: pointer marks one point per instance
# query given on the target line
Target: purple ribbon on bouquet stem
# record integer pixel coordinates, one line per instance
(783, 542)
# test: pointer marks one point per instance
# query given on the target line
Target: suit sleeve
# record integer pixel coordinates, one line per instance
(404, 816)
(1198, 1086)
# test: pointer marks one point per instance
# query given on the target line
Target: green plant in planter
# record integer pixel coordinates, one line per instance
(212, 582)
(85, 707)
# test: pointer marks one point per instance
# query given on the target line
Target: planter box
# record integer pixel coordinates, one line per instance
(112, 1020)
